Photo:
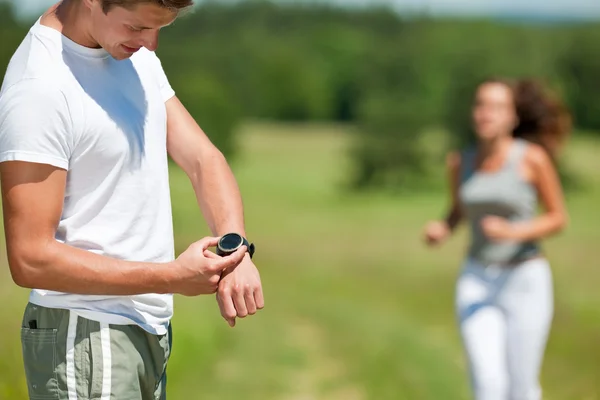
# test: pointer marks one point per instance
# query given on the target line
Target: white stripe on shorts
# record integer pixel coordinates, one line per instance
(71, 333)
(106, 360)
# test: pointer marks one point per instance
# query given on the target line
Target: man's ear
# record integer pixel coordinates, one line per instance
(90, 4)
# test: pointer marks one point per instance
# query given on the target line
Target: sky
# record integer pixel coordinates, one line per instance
(555, 9)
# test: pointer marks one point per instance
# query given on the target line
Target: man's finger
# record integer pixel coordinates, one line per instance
(226, 305)
(259, 299)
(250, 302)
(240, 304)
(210, 254)
(208, 242)
(231, 260)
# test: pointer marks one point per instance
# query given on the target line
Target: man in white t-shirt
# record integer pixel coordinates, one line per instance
(87, 121)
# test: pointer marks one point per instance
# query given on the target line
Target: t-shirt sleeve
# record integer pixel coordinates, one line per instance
(35, 124)
(166, 90)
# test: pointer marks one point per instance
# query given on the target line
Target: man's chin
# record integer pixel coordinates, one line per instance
(121, 56)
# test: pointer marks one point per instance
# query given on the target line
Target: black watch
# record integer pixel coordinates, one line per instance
(230, 242)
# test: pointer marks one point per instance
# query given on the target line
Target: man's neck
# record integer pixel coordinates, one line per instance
(71, 18)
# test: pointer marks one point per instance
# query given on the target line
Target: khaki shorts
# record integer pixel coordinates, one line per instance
(72, 358)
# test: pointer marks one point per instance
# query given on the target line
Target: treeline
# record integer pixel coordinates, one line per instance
(393, 77)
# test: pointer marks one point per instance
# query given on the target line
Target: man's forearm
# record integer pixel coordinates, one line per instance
(63, 268)
(218, 196)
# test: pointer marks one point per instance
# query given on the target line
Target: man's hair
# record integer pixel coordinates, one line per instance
(175, 5)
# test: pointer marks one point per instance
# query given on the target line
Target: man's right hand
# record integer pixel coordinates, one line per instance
(198, 270)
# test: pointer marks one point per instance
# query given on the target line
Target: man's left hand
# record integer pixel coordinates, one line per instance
(240, 291)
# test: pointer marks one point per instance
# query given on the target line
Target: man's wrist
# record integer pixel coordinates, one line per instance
(232, 229)
(231, 242)
(169, 277)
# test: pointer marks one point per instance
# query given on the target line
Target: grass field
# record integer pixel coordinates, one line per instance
(356, 307)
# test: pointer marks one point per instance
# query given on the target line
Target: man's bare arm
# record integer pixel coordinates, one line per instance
(32, 196)
(215, 186)
(240, 290)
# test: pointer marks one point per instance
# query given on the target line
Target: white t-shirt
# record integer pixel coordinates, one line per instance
(104, 121)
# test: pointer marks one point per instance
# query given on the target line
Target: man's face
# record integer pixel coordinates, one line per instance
(123, 31)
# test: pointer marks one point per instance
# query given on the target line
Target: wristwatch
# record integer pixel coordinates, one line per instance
(230, 242)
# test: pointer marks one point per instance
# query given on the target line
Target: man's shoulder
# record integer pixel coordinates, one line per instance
(37, 88)
(35, 99)
(37, 60)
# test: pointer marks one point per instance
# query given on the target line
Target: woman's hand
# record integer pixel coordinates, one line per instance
(498, 229)
(436, 232)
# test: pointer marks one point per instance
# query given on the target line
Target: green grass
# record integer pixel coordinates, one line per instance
(356, 307)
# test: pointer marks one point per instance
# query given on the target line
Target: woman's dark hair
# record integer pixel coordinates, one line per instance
(543, 118)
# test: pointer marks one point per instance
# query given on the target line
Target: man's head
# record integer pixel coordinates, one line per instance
(122, 27)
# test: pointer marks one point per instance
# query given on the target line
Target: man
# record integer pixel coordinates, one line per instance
(87, 118)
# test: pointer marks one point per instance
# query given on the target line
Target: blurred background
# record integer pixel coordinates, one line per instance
(336, 117)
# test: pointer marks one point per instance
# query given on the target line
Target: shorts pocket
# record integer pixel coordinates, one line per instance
(39, 359)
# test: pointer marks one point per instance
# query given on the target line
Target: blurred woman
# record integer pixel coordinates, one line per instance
(504, 295)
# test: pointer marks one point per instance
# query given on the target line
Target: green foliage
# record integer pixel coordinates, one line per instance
(208, 101)
(387, 150)
(290, 87)
(11, 33)
(393, 77)
(580, 64)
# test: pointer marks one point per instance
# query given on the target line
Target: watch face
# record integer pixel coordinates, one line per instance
(230, 242)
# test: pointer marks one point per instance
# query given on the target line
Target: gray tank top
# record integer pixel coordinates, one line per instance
(502, 193)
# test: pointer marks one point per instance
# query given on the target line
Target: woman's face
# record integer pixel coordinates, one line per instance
(494, 113)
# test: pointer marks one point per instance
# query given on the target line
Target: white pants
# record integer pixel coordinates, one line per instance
(505, 315)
